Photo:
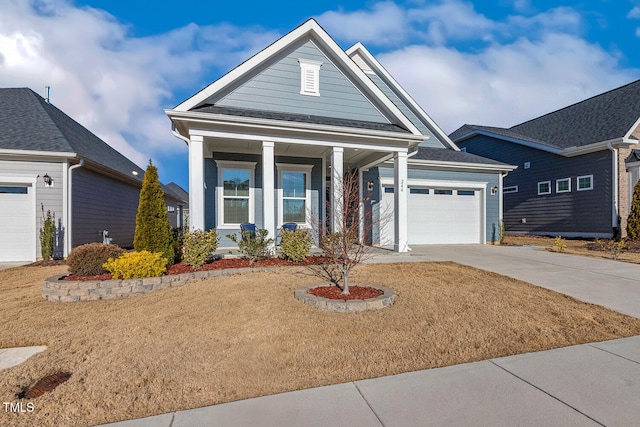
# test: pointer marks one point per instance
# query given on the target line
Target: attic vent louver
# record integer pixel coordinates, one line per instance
(309, 77)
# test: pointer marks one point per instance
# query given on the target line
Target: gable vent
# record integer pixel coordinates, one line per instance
(309, 77)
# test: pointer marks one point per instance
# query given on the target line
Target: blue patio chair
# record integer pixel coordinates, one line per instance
(290, 226)
(251, 228)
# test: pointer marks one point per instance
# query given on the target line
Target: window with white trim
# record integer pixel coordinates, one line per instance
(585, 182)
(563, 185)
(510, 189)
(544, 187)
(294, 193)
(309, 77)
(235, 192)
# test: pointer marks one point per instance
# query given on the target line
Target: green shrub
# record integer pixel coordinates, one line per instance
(88, 260)
(198, 246)
(254, 248)
(46, 234)
(295, 245)
(177, 233)
(153, 232)
(633, 220)
(137, 265)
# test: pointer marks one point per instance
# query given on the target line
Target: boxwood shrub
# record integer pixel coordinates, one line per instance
(136, 265)
(88, 260)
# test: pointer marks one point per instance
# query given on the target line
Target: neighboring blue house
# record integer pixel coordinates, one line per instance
(48, 159)
(269, 141)
(576, 166)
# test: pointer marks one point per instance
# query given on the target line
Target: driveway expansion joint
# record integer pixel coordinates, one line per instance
(368, 404)
(547, 393)
(612, 353)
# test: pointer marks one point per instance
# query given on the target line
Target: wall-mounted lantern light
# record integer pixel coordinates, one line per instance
(370, 185)
(48, 181)
(494, 191)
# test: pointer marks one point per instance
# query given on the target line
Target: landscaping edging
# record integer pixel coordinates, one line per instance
(342, 306)
(57, 290)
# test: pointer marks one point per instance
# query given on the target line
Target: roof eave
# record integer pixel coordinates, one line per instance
(621, 142)
(440, 164)
(258, 123)
(36, 153)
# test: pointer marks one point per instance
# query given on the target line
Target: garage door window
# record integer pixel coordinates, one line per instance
(419, 190)
(13, 189)
(466, 193)
(443, 192)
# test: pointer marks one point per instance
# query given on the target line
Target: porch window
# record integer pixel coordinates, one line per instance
(294, 201)
(235, 192)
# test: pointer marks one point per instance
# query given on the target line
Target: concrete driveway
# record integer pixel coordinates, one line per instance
(612, 284)
(5, 265)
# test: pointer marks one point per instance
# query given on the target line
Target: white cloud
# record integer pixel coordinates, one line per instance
(504, 85)
(634, 13)
(114, 84)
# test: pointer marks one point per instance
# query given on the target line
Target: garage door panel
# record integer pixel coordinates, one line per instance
(17, 223)
(433, 218)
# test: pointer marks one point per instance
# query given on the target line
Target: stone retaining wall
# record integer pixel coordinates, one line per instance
(349, 306)
(58, 290)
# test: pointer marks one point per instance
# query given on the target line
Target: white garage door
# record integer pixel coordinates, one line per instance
(17, 222)
(437, 215)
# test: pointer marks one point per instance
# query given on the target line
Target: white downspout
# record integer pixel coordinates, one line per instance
(70, 203)
(614, 208)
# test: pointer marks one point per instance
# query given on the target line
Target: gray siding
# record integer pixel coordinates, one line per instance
(277, 88)
(417, 122)
(585, 213)
(492, 202)
(48, 197)
(211, 180)
(101, 203)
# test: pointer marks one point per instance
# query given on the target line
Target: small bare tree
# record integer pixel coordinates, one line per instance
(346, 246)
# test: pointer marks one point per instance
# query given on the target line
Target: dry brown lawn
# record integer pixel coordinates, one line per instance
(574, 247)
(242, 336)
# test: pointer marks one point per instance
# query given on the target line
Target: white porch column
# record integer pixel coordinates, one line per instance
(268, 189)
(401, 203)
(337, 190)
(196, 182)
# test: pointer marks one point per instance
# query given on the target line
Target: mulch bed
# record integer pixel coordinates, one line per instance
(48, 263)
(219, 264)
(355, 292)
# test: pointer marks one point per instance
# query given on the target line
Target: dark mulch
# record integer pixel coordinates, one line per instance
(355, 292)
(218, 264)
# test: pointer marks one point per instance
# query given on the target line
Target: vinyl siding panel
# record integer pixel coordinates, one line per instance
(585, 213)
(48, 197)
(277, 88)
(102, 203)
(492, 203)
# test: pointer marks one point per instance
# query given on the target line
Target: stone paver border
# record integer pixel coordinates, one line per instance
(57, 290)
(341, 306)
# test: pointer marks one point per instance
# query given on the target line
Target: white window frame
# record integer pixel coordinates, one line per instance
(510, 189)
(231, 164)
(544, 182)
(590, 181)
(306, 169)
(309, 77)
(558, 181)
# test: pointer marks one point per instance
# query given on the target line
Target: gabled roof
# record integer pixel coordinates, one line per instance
(611, 116)
(178, 192)
(29, 123)
(399, 96)
(308, 30)
(449, 155)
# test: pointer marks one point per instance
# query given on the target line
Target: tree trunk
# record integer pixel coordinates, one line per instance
(345, 277)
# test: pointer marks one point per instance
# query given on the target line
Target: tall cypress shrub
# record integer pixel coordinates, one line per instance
(633, 221)
(152, 224)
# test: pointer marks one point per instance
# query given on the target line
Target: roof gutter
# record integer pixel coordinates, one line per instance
(178, 135)
(463, 165)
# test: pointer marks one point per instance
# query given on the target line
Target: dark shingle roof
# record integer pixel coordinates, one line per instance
(603, 117)
(299, 118)
(29, 123)
(177, 191)
(448, 155)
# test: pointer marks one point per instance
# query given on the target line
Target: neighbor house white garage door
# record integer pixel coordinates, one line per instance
(437, 215)
(17, 222)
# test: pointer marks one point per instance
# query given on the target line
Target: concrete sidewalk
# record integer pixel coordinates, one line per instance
(589, 384)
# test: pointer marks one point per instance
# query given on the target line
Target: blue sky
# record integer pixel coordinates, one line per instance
(115, 65)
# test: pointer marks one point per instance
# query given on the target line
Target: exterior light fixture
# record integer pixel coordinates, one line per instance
(494, 191)
(47, 180)
(135, 173)
(370, 185)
